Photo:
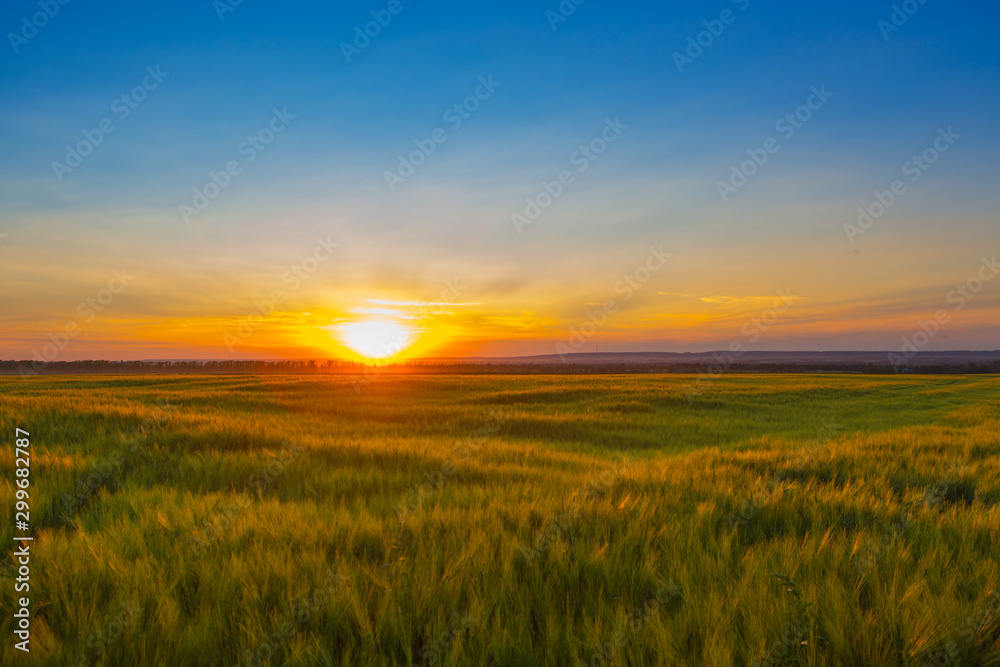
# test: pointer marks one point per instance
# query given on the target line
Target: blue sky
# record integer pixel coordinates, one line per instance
(658, 184)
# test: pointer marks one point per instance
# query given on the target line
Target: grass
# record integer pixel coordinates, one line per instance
(501, 520)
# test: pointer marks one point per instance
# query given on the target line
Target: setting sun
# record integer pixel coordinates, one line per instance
(375, 339)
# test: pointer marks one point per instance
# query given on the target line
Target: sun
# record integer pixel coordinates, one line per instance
(376, 339)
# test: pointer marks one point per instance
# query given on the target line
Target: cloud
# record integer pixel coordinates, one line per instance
(415, 304)
(728, 300)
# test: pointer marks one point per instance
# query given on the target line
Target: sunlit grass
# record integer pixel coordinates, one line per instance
(510, 520)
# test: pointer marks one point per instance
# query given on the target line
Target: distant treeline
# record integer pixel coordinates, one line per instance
(326, 367)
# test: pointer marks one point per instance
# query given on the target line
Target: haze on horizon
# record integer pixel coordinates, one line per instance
(264, 182)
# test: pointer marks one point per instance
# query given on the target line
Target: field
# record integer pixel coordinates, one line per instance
(504, 520)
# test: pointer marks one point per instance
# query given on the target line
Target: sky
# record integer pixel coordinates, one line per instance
(262, 180)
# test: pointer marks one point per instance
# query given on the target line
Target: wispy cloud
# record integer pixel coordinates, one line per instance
(416, 304)
(727, 300)
(391, 312)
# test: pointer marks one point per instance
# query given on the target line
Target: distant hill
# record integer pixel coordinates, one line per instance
(799, 358)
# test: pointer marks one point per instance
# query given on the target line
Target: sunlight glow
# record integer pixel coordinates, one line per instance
(376, 339)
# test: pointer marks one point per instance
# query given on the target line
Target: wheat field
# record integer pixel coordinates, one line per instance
(507, 520)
